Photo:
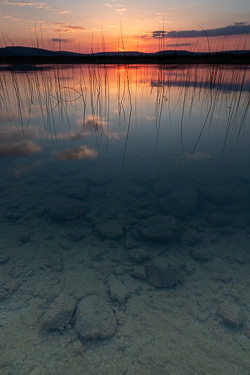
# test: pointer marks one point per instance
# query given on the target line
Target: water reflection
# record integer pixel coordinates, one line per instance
(125, 216)
(78, 153)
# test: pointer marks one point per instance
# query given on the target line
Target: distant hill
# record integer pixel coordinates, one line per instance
(12, 51)
(187, 53)
(31, 51)
(28, 58)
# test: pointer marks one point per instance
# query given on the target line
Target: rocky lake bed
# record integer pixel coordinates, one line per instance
(124, 277)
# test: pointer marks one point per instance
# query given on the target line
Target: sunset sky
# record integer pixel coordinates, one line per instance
(92, 25)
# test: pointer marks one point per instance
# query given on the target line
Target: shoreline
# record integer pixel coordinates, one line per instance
(227, 58)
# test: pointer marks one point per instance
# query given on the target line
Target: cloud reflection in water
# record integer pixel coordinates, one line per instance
(19, 148)
(77, 153)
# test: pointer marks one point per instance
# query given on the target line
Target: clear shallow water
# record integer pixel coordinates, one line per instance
(104, 171)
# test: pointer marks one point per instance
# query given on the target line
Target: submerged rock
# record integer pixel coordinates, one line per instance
(247, 331)
(59, 312)
(162, 227)
(8, 286)
(219, 219)
(162, 273)
(139, 272)
(111, 229)
(240, 256)
(39, 370)
(190, 237)
(4, 257)
(95, 319)
(96, 252)
(139, 177)
(54, 262)
(130, 243)
(201, 255)
(159, 188)
(78, 193)
(65, 209)
(181, 203)
(75, 234)
(118, 290)
(231, 314)
(78, 348)
(220, 195)
(142, 214)
(99, 178)
(138, 255)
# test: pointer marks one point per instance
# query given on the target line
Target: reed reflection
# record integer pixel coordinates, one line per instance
(67, 101)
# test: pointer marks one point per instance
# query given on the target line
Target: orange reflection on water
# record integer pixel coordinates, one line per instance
(197, 156)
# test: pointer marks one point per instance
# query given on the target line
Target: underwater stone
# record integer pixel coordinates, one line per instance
(99, 178)
(231, 314)
(162, 273)
(23, 238)
(139, 272)
(12, 216)
(210, 207)
(7, 286)
(97, 192)
(117, 289)
(130, 243)
(54, 262)
(78, 347)
(75, 234)
(233, 209)
(138, 177)
(59, 312)
(240, 256)
(111, 229)
(137, 191)
(96, 253)
(190, 237)
(219, 219)
(38, 371)
(159, 188)
(142, 214)
(201, 255)
(65, 209)
(94, 211)
(78, 193)
(226, 231)
(95, 319)
(220, 195)
(181, 203)
(138, 255)
(4, 257)
(240, 223)
(162, 227)
(247, 331)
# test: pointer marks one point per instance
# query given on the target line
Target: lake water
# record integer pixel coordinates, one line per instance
(125, 220)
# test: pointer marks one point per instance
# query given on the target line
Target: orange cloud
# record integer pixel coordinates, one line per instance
(68, 28)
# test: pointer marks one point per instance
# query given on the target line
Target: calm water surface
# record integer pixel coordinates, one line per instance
(125, 220)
